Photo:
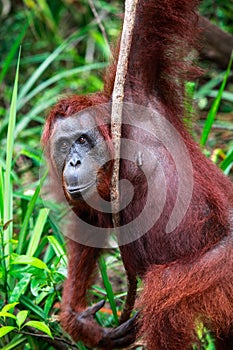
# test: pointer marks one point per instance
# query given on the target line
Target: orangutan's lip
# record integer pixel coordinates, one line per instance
(79, 189)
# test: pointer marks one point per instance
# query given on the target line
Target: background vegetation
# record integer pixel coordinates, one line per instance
(63, 51)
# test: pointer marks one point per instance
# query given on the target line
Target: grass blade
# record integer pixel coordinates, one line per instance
(35, 111)
(8, 208)
(38, 229)
(44, 65)
(206, 89)
(15, 342)
(226, 95)
(1, 194)
(214, 108)
(108, 287)
(31, 205)
(227, 161)
(58, 77)
(29, 305)
(48, 16)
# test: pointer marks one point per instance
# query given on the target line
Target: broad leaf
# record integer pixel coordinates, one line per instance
(5, 330)
(41, 326)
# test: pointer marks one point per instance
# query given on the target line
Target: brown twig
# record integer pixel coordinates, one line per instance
(117, 101)
(99, 22)
(56, 342)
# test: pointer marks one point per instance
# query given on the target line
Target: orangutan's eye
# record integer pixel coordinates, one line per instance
(64, 145)
(82, 140)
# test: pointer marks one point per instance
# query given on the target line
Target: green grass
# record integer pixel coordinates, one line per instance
(215, 106)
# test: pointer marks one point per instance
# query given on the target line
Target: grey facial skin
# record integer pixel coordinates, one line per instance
(76, 157)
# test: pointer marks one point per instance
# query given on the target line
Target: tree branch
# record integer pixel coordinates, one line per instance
(216, 45)
(117, 101)
(56, 342)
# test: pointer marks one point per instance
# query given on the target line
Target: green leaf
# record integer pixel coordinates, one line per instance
(59, 250)
(21, 317)
(214, 108)
(28, 304)
(9, 306)
(49, 303)
(5, 330)
(29, 260)
(20, 287)
(38, 229)
(39, 284)
(41, 326)
(7, 314)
